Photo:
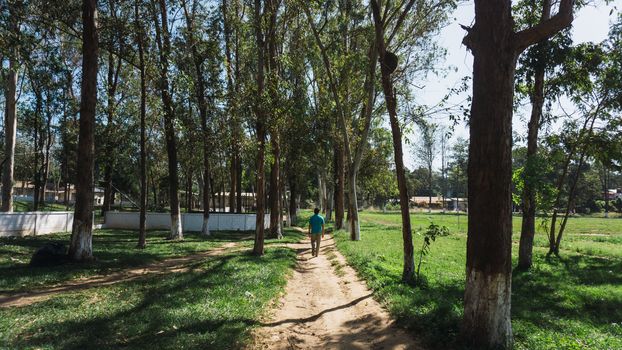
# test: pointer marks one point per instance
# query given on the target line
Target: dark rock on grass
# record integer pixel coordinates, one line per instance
(50, 254)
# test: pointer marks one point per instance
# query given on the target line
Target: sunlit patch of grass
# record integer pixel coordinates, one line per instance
(572, 303)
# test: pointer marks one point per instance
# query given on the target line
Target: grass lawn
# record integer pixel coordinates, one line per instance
(22, 206)
(212, 305)
(573, 303)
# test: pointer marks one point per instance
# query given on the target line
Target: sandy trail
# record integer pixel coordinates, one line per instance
(179, 264)
(328, 307)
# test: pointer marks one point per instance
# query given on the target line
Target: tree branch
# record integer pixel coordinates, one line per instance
(546, 29)
(399, 21)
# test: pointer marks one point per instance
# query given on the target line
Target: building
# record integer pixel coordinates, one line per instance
(23, 191)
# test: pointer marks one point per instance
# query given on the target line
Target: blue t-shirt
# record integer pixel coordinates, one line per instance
(316, 223)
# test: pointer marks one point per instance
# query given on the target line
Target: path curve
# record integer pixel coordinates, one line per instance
(326, 306)
(178, 264)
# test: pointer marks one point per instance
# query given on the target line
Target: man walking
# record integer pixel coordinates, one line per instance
(316, 228)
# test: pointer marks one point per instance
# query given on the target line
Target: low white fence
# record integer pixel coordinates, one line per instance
(35, 223)
(192, 222)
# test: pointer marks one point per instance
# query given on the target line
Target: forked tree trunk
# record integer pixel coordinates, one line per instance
(408, 272)
(10, 132)
(528, 226)
(80, 248)
(495, 47)
(489, 274)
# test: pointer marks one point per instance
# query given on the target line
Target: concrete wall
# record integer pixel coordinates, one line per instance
(35, 223)
(192, 222)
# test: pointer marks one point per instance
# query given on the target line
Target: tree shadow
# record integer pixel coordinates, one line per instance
(202, 308)
(113, 250)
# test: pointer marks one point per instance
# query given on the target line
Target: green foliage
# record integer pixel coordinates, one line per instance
(538, 172)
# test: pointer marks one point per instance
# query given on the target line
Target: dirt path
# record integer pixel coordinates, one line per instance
(180, 264)
(326, 306)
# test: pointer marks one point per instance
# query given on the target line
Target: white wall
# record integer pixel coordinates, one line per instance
(192, 222)
(35, 223)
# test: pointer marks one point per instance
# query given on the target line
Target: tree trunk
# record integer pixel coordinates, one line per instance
(258, 247)
(10, 132)
(430, 188)
(36, 145)
(110, 111)
(606, 189)
(234, 184)
(80, 248)
(200, 95)
(164, 45)
(391, 103)
(553, 240)
(275, 208)
(142, 221)
(495, 47)
(293, 207)
(339, 172)
(48, 146)
(238, 174)
(489, 274)
(353, 217)
(528, 227)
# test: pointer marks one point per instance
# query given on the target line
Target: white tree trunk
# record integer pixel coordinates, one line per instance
(176, 229)
(81, 245)
(487, 300)
(205, 229)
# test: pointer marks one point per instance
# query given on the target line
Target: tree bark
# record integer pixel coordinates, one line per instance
(37, 137)
(142, 221)
(528, 226)
(48, 146)
(391, 103)
(275, 207)
(339, 173)
(10, 132)
(200, 95)
(164, 46)
(488, 285)
(495, 47)
(258, 247)
(293, 206)
(80, 248)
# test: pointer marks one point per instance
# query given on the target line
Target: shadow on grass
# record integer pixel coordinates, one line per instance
(574, 288)
(196, 309)
(113, 250)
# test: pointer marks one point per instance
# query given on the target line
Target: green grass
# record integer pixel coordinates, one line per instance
(212, 305)
(21, 206)
(113, 249)
(574, 303)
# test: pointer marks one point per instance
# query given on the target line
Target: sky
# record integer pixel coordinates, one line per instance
(591, 23)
